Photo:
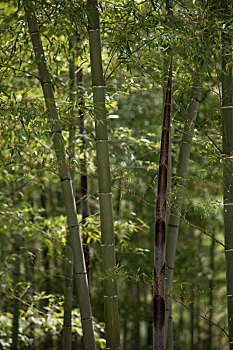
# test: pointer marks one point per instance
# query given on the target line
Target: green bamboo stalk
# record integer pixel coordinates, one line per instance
(160, 227)
(136, 326)
(73, 94)
(198, 297)
(104, 180)
(68, 294)
(176, 201)
(211, 285)
(69, 200)
(83, 171)
(69, 265)
(45, 252)
(227, 120)
(16, 278)
(191, 325)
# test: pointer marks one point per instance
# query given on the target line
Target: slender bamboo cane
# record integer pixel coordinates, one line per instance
(45, 252)
(227, 120)
(211, 285)
(73, 225)
(83, 171)
(159, 252)
(73, 93)
(136, 326)
(16, 277)
(191, 325)
(104, 180)
(198, 297)
(69, 265)
(170, 23)
(68, 294)
(176, 202)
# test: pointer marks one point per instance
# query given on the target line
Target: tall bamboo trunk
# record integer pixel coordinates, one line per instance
(83, 171)
(159, 251)
(170, 24)
(192, 320)
(136, 321)
(16, 278)
(45, 252)
(198, 296)
(104, 180)
(73, 94)
(68, 295)
(227, 115)
(169, 338)
(69, 200)
(47, 280)
(69, 266)
(125, 321)
(181, 320)
(173, 221)
(211, 285)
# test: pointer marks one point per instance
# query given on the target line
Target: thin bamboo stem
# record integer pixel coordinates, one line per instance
(69, 265)
(68, 294)
(83, 171)
(227, 121)
(73, 94)
(211, 285)
(16, 277)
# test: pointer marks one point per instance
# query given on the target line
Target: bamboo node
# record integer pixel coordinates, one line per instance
(171, 225)
(73, 226)
(94, 30)
(111, 296)
(86, 319)
(168, 267)
(98, 86)
(66, 179)
(81, 273)
(102, 140)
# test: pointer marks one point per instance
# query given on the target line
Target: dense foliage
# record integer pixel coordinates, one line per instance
(136, 37)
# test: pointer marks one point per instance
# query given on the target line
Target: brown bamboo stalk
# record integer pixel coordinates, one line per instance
(160, 228)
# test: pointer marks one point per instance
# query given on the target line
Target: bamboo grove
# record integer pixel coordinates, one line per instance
(102, 103)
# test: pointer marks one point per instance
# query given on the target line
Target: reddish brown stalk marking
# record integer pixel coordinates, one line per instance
(159, 252)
